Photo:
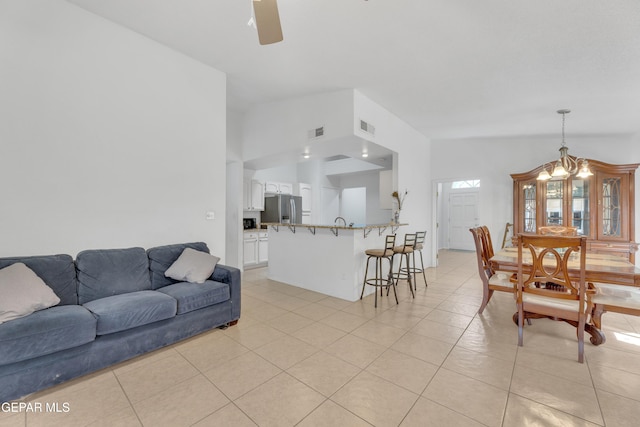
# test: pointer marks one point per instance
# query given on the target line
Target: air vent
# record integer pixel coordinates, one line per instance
(367, 127)
(316, 133)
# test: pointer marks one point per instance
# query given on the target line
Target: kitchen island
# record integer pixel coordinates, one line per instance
(329, 259)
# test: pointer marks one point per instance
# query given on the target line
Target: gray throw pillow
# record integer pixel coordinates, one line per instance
(22, 292)
(192, 266)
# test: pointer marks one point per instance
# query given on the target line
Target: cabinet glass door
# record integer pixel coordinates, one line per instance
(580, 206)
(529, 211)
(611, 221)
(554, 202)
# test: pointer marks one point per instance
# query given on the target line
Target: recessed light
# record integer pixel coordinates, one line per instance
(365, 154)
(306, 155)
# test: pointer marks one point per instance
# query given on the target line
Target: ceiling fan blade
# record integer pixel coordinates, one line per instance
(267, 21)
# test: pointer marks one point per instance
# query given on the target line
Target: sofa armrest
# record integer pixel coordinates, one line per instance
(230, 276)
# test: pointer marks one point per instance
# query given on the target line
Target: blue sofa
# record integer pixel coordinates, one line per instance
(115, 304)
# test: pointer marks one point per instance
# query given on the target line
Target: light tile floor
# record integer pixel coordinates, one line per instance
(300, 358)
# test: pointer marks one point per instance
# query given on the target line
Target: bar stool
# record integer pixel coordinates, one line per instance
(420, 236)
(379, 281)
(405, 251)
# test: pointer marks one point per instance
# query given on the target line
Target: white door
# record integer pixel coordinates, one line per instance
(463, 215)
(330, 204)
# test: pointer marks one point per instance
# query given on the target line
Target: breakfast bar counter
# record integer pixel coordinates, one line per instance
(329, 259)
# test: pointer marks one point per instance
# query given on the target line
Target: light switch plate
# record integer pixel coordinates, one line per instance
(211, 215)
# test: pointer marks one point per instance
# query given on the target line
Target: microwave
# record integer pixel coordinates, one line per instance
(248, 223)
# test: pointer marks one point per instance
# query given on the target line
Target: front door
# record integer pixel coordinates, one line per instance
(463, 215)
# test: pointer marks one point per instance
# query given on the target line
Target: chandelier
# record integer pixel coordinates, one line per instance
(565, 165)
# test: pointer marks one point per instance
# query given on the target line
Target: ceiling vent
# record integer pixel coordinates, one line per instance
(316, 133)
(367, 127)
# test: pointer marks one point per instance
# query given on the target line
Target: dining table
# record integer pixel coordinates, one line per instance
(599, 268)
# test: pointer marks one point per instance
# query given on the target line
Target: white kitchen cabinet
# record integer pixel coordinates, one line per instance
(304, 190)
(278, 187)
(271, 187)
(263, 247)
(250, 248)
(253, 197)
(256, 248)
(257, 195)
(286, 188)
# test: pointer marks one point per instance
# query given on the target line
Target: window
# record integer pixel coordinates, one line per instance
(473, 183)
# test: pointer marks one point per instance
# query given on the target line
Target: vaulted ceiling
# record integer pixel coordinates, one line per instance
(450, 68)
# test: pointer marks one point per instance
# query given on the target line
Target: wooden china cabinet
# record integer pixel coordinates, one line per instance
(601, 206)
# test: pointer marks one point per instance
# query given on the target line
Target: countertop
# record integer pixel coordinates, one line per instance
(338, 227)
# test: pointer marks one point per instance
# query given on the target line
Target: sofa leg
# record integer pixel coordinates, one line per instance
(226, 325)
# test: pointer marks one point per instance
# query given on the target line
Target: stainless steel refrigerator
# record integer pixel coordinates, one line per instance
(282, 208)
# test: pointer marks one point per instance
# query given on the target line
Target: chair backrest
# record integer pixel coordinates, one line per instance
(507, 227)
(557, 230)
(486, 237)
(390, 242)
(483, 261)
(546, 272)
(409, 241)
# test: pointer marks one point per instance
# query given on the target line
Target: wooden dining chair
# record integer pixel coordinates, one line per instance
(557, 230)
(544, 288)
(486, 236)
(491, 280)
(616, 298)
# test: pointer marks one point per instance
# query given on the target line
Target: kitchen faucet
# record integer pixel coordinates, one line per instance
(335, 221)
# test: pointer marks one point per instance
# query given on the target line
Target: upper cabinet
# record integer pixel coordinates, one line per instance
(304, 190)
(253, 199)
(278, 187)
(601, 206)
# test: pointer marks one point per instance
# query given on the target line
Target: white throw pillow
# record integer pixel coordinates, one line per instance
(192, 266)
(22, 292)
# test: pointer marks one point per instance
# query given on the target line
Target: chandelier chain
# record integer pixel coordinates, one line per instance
(565, 165)
(563, 118)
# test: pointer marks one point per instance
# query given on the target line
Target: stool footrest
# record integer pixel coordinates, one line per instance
(379, 282)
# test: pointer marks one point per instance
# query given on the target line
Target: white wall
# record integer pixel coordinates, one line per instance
(108, 138)
(235, 176)
(285, 173)
(278, 127)
(413, 160)
(371, 181)
(493, 160)
(353, 205)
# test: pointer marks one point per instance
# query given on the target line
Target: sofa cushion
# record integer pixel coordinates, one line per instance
(57, 271)
(192, 296)
(107, 272)
(46, 331)
(125, 311)
(161, 258)
(192, 266)
(22, 292)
